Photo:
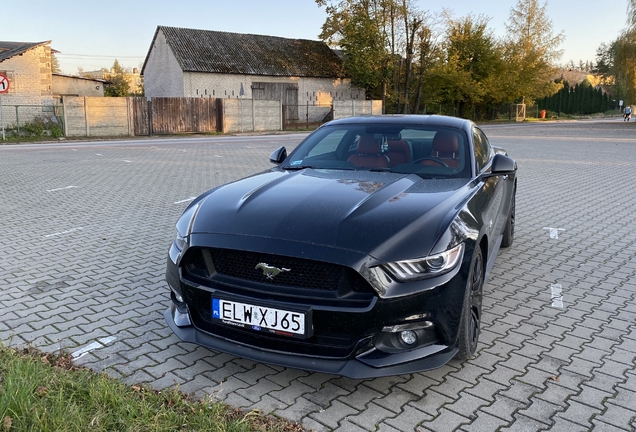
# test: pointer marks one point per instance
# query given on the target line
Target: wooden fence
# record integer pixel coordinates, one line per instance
(185, 115)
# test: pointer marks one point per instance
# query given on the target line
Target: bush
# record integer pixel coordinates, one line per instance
(34, 128)
(42, 126)
(56, 131)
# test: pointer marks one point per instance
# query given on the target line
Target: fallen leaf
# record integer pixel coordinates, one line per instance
(554, 378)
(136, 388)
(6, 424)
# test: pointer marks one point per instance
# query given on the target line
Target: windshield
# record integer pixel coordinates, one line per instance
(429, 151)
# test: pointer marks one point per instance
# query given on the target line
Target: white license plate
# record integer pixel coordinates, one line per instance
(259, 318)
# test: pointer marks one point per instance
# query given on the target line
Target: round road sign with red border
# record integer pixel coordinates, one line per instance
(4, 83)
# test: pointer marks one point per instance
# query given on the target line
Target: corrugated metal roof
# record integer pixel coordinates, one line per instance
(10, 49)
(236, 53)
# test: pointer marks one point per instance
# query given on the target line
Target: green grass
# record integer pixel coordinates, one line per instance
(46, 392)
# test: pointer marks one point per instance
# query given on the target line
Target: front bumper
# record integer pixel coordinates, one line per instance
(348, 337)
(367, 365)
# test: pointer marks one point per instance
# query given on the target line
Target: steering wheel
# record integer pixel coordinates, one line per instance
(431, 158)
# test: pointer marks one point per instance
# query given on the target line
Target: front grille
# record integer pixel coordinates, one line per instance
(303, 273)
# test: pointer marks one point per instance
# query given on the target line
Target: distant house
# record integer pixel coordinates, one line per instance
(68, 85)
(133, 78)
(28, 67)
(202, 63)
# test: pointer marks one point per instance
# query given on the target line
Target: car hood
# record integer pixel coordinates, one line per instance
(385, 215)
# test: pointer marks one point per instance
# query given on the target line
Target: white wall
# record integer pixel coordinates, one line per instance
(75, 86)
(30, 84)
(313, 90)
(163, 76)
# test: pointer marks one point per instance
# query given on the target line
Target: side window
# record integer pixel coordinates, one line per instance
(482, 149)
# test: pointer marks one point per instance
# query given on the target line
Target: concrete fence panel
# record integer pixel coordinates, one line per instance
(96, 116)
(267, 115)
(249, 115)
(343, 109)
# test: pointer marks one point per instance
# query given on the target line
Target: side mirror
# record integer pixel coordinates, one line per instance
(278, 156)
(502, 165)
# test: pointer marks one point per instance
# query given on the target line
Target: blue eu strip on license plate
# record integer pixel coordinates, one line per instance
(278, 321)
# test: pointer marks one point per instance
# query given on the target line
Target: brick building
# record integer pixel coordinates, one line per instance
(27, 65)
(201, 63)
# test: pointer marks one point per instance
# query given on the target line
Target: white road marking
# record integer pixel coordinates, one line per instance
(127, 161)
(554, 232)
(62, 188)
(185, 200)
(98, 154)
(107, 340)
(63, 232)
(218, 156)
(557, 295)
(92, 346)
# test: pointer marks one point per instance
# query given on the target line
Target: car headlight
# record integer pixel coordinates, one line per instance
(184, 226)
(180, 240)
(426, 267)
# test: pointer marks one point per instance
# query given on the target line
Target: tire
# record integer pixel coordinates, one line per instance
(509, 228)
(471, 312)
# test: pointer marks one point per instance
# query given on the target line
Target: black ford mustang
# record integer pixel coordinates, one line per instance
(363, 253)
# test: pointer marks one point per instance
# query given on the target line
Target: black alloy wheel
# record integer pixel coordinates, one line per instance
(509, 229)
(471, 312)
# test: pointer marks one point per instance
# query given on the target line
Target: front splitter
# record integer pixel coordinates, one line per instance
(350, 368)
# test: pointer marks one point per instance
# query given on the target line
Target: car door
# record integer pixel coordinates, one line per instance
(492, 193)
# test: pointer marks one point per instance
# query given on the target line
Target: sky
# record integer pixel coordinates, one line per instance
(92, 35)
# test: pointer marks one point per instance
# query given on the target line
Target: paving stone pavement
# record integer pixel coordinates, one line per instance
(85, 227)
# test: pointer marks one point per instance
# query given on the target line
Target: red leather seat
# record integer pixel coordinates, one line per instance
(399, 152)
(445, 148)
(369, 154)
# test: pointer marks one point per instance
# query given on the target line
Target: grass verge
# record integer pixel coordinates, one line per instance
(46, 392)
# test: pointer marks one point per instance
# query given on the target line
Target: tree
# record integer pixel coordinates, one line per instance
(604, 60)
(532, 51)
(118, 84)
(359, 28)
(624, 67)
(473, 63)
(379, 40)
(631, 13)
(55, 64)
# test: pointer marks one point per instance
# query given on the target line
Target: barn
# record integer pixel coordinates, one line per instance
(184, 62)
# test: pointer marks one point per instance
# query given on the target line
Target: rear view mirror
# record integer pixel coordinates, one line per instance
(278, 156)
(502, 165)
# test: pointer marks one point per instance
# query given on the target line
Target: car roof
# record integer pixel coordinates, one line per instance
(406, 119)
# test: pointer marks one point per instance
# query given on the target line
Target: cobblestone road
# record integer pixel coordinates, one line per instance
(84, 229)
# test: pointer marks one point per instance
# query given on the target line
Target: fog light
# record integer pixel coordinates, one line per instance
(408, 337)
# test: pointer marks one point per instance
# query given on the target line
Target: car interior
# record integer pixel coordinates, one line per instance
(431, 151)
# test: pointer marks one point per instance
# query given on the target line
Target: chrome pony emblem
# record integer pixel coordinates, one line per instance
(270, 271)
